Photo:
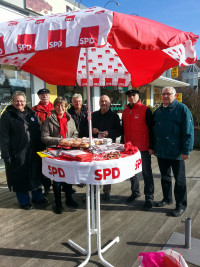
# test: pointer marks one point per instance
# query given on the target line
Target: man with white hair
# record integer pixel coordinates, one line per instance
(79, 113)
(174, 136)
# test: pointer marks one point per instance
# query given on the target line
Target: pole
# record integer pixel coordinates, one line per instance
(88, 99)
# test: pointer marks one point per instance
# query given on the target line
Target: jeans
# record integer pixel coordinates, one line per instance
(24, 197)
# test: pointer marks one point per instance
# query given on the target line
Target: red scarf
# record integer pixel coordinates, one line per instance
(63, 125)
(47, 107)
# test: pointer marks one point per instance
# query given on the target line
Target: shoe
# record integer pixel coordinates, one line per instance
(58, 209)
(27, 206)
(81, 185)
(46, 191)
(71, 203)
(132, 198)
(147, 205)
(177, 212)
(106, 197)
(163, 203)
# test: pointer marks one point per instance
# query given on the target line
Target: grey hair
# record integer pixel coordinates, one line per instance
(77, 96)
(172, 89)
(16, 94)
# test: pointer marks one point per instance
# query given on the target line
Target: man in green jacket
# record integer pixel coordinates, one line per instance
(174, 137)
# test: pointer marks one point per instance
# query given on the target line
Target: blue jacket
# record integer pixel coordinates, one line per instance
(173, 131)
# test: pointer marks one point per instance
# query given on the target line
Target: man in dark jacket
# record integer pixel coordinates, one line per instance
(43, 109)
(78, 111)
(137, 125)
(106, 123)
(174, 136)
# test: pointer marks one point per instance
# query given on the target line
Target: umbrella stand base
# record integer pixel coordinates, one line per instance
(93, 230)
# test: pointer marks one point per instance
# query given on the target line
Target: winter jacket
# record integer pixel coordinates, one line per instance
(20, 140)
(173, 131)
(108, 121)
(51, 130)
(41, 111)
(81, 120)
(137, 126)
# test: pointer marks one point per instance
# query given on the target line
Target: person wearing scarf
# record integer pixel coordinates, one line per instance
(56, 127)
(20, 140)
(43, 109)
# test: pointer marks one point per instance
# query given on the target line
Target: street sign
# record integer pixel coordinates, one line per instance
(175, 72)
(179, 97)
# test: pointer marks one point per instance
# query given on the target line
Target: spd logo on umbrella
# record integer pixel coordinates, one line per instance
(57, 39)
(26, 43)
(89, 36)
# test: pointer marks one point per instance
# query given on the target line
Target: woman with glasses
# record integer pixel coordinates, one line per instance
(20, 140)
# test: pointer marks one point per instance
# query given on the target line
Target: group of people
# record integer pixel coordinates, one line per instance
(167, 133)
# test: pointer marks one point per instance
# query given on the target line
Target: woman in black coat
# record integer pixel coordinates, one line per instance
(20, 140)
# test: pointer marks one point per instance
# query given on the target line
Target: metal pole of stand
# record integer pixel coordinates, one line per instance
(187, 222)
(188, 233)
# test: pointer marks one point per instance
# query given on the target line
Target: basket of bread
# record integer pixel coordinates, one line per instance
(75, 142)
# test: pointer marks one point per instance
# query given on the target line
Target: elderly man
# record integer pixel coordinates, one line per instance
(44, 107)
(107, 123)
(43, 110)
(137, 125)
(78, 111)
(173, 131)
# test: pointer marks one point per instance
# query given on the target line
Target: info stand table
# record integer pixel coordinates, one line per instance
(92, 173)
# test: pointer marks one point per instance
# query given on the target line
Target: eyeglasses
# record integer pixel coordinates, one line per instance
(167, 94)
(19, 101)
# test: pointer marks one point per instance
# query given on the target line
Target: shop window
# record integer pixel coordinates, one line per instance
(68, 91)
(157, 95)
(11, 80)
(117, 97)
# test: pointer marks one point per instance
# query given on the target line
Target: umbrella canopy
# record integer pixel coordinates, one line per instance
(120, 48)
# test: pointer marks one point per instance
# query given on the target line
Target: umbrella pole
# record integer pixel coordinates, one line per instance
(88, 99)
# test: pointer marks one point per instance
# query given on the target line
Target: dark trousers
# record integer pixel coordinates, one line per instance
(107, 188)
(67, 188)
(147, 176)
(46, 182)
(24, 198)
(180, 190)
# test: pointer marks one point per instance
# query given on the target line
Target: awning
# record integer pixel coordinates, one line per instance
(164, 81)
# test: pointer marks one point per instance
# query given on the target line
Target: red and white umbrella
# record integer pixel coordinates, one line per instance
(94, 47)
(122, 48)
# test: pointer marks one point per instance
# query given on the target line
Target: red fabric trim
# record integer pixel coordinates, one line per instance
(63, 125)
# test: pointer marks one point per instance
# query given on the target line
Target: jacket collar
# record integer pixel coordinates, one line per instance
(172, 105)
(135, 105)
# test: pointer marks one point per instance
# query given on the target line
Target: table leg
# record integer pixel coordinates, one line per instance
(116, 240)
(92, 230)
(76, 246)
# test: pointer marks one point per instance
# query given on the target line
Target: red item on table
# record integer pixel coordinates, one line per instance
(130, 149)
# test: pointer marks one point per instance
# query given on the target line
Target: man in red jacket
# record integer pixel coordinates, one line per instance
(137, 126)
(43, 110)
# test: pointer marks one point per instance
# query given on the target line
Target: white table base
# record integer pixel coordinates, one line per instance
(92, 230)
